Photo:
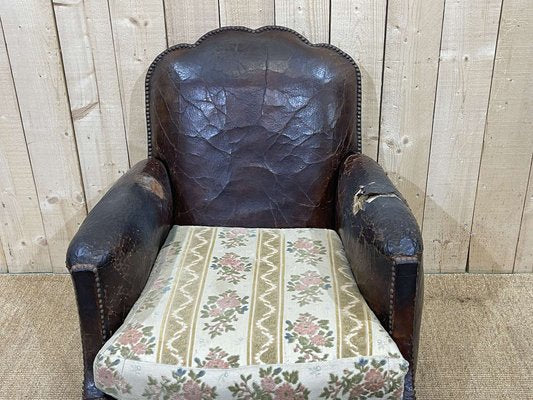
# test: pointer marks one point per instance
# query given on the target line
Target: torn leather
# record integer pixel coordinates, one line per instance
(360, 199)
(383, 243)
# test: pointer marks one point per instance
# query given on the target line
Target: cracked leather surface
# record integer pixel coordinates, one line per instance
(387, 223)
(111, 256)
(252, 128)
(384, 246)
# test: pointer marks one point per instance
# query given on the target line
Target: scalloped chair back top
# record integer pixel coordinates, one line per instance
(252, 126)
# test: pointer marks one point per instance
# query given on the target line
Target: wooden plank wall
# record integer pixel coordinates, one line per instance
(447, 111)
(506, 160)
(467, 51)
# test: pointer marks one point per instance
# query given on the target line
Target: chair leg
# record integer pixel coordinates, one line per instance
(409, 388)
(90, 391)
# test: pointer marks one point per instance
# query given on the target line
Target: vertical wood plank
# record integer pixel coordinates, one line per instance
(524, 251)
(409, 83)
(91, 75)
(33, 49)
(3, 262)
(308, 17)
(139, 36)
(358, 28)
(467, 57)
(508, 145)
(21, 227)
(188, 20)
(249, 13)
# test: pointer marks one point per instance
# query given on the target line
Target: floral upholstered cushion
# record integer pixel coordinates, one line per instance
(235, 313)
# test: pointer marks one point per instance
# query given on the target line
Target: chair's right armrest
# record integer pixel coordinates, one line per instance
(111, 256)
(384, 246)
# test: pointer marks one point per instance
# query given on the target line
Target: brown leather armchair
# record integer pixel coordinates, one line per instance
(250, 128)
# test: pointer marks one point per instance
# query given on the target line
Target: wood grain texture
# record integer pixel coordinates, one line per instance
(22, 233)
(33, 49)
(308, 17)
(72, 116)
(508, 145)
(139, 36)
(91, 74)
(188, 20)
(3, 262)
(466, 60)
(359, 30)
(249, 13)
(409, 83)
(524, 251)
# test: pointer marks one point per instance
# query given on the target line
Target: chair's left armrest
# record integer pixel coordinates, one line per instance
(111, 255)
(384, 247)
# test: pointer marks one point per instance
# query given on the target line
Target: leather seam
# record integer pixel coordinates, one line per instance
(99, 293)
(417, 288)
(100, 296)
(154, 64)
(401, 260)
(413, 367)
(392, 293)
(405, 259)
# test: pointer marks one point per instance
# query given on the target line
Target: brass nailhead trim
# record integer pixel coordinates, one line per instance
(147, 83)
(391, 298)
(99, 293)
(392, 291)
(406, 259)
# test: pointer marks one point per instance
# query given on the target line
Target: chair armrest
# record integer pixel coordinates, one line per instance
(111, 255)
(383, 244)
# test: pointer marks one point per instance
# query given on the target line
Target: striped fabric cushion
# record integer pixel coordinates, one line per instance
(251, 313)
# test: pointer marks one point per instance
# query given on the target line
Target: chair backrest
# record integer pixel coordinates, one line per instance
(252, 126)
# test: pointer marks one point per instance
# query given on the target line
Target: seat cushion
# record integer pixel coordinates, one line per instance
(251, 313)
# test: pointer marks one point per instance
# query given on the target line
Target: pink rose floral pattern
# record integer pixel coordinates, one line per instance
(182, 386)
(235, 237)
(109, 379)
(222, 310)
(218, 358)
(310, 336)
(308, 287)
(273, 384)
(231, 267)
(307, 251)
(135, 340)
(227, 341)
(367, 380)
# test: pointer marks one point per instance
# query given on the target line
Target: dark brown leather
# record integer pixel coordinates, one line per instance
(252, 126)
(112, 254)
(384, 247)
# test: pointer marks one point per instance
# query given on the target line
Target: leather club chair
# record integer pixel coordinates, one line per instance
(223, 265)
